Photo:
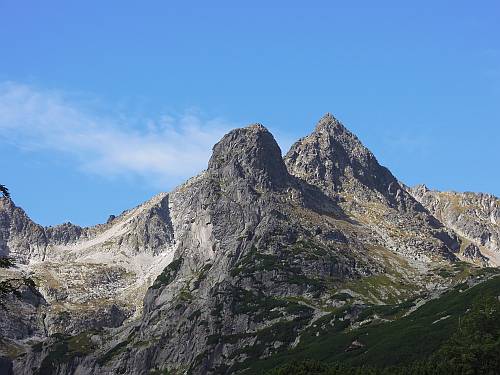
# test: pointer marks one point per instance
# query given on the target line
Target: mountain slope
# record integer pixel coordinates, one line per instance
(255, 251)
(334, 160)
(475, 217)
(392, 334)
(88, 277)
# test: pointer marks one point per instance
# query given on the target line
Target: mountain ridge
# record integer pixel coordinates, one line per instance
(238, 262)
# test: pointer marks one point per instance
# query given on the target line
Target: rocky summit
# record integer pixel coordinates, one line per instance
(257, 260)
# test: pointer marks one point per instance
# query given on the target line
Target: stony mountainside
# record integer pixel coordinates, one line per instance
(474, 217)
(88, 277)
(236, 265)
(334, 160)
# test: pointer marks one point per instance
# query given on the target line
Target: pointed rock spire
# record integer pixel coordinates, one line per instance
(329, 123)
(20, 238)
(249, 153)
(335, 160)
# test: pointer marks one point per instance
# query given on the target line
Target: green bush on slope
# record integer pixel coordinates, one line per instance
(473, 349)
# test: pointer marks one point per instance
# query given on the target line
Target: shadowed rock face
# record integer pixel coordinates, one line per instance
(252, 252)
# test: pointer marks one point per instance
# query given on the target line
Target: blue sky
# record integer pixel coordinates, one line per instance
(103, 104)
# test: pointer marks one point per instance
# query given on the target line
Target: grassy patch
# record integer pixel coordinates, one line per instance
(255, 263)
(381, 288)
(282, 334)
(113, 352)
(168, 274)
(309, 249)
(64, 350)
(261, 307)
(410, 338)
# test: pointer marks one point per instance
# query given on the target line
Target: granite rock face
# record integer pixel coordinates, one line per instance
(474, 217)
(334, 160)
(235, 264)
(20, 237)
(472, 253)
(85, 277)
(250, 154)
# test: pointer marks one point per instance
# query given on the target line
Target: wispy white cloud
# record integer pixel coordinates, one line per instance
(164, 150)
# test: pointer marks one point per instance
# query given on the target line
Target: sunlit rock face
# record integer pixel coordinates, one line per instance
(334, 160)
(474, 217)
(234, 265)
(86, 277)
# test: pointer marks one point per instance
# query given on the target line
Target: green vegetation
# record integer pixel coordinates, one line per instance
(473, 349)
(261, 307)
(407, 340)
(275, 338)
(168, 274)
(185, 295)
(309, 249)
(460, 271)
(342, 297)
(13, 286)
(159, 372)
(6, 262)
(64, 349)
(4, 191)
(256, 262)
(318, 368)
(381, 288)
(114, 351)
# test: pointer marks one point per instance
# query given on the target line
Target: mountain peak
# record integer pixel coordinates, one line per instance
(334, 159)
(249, 153)
(328, 123)
(241, 247)
(257, 127)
